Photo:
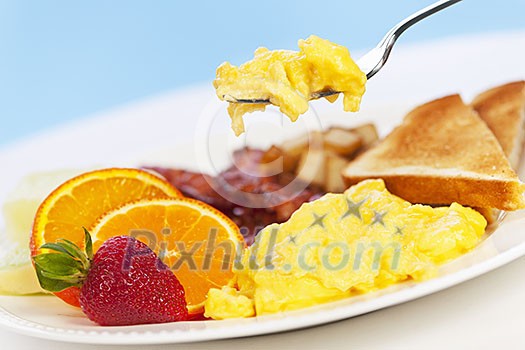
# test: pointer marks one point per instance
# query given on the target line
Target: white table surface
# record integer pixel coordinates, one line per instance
(485, 313)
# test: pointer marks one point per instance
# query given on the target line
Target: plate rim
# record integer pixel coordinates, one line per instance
(285, 321)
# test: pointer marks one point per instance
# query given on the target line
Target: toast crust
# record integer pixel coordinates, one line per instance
(438, 190)
(442, 153)
(502, 108)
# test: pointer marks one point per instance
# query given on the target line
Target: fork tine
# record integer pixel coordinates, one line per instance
(232, 99)
(314, 96)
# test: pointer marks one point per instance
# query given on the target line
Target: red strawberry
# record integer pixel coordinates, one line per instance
(125, 283)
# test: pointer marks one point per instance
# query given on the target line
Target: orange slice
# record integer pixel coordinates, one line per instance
(82, 200)
(195, 240)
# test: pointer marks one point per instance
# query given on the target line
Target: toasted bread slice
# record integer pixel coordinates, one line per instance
(502, 108)
(442, 153)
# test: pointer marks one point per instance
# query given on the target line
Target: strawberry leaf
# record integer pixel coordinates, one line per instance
(56, 247)
(59, 264)
(88, 244)
(59, 271)
(76, 279)
(66, 266)
(52, 285)
(73, 250)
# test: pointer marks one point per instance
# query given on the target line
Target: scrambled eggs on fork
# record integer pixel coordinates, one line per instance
(288, 78)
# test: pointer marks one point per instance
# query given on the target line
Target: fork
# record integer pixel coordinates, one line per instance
(375, 59)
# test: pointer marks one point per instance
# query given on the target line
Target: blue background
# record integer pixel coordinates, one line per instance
(60, 60)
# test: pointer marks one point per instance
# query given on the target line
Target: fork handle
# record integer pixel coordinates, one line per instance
(372, 62)
(395, 32)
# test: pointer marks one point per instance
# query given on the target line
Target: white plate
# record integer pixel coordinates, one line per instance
(163, 131)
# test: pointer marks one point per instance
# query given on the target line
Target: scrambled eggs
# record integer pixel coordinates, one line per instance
(288, 79)
(344, 244)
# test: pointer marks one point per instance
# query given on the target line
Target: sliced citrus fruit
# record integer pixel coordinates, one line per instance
(82, 200)
(195, 240)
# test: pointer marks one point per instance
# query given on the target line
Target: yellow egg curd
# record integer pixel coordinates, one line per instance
(288, 78)
(342, 245)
